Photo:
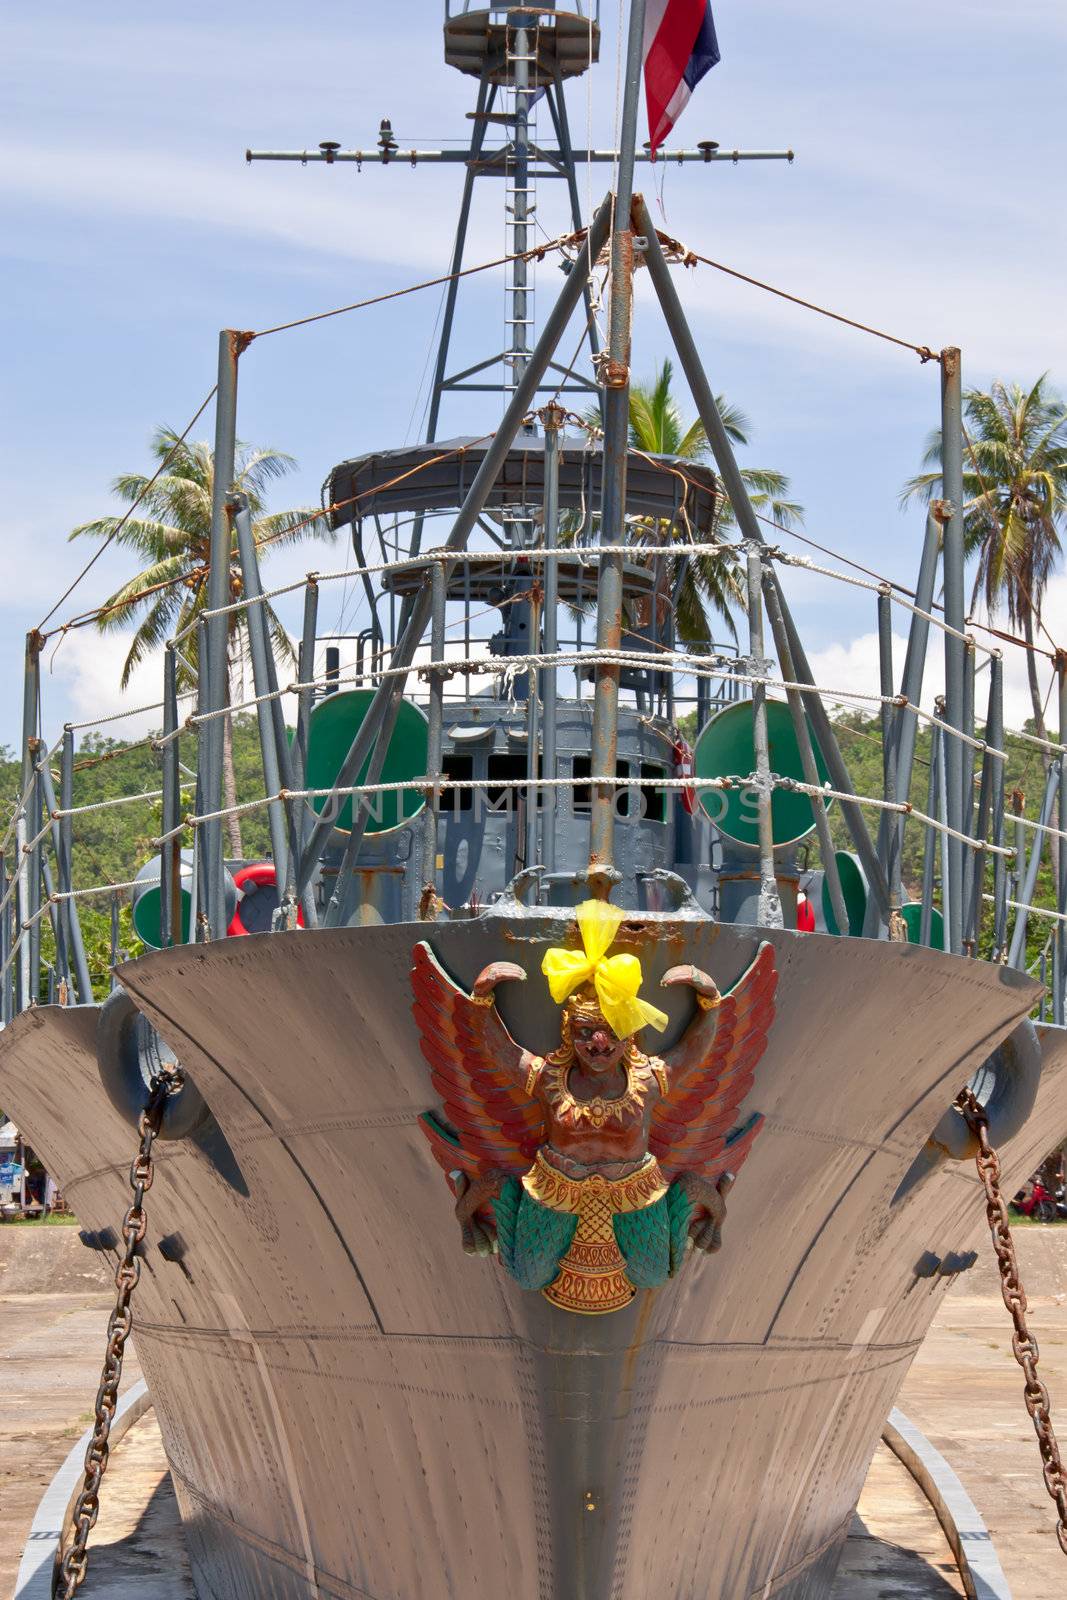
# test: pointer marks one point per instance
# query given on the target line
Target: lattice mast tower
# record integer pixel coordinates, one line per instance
(522, 56)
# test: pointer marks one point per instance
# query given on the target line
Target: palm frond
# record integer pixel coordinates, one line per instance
(283, 528)
(734, 420)
(154, 540)
(1015, 493)
(257, 469)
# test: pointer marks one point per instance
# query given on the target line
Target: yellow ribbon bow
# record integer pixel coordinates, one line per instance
(615, 978)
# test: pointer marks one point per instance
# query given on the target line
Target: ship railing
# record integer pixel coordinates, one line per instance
(1004, 849)
(52, 839)
(657, 682)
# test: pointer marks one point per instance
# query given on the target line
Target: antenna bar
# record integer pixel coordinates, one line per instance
(460, 157)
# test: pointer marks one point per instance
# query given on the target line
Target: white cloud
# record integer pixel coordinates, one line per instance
(1045, 16)
(87, 669)
(852, 665)
(152, 185)
(850, 668)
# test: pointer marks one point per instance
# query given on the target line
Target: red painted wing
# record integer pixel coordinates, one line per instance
(487, 1121)
(691, 1126)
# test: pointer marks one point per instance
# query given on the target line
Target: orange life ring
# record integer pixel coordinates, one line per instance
(263, 876)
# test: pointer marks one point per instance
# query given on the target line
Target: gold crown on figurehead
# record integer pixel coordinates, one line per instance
(583, 1006)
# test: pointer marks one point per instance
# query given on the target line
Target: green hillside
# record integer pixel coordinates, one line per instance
(110, 845)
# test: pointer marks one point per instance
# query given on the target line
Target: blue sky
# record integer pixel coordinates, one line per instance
(927, 197)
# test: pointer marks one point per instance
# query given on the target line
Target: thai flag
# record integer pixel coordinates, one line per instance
(680, 46)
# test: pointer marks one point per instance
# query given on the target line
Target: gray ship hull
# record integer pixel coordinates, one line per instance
(352, 1407)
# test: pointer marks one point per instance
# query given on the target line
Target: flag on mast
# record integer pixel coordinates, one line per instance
(680, 47)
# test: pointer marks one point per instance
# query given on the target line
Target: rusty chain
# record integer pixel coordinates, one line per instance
(71, 1571)
(1023, 1343)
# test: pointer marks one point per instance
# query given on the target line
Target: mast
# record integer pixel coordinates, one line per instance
(521, 54)
(616, 375)
(522, 57)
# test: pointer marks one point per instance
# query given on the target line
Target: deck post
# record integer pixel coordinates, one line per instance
(890, 739)
(435, 729)
(237, 507)
(615, 375)
(170, 855)
(933, 800)
(214, 664)
(29, 874)
(967, 756)
(976, 867)
(113, 954)
(948, 883)
(36, 804)
(533, 738)
(995, 738)
(200, 931)
(955, 617)
(1060, 853)
(969, 671)
(21, 939)
(5, 946)
(306, 670)
(61, 844)
(769, 912)
(551, 422)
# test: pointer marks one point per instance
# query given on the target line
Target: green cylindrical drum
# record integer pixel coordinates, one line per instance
(145, 908)
(726, 749)
(854, 890)
(912, 912)
(335, 722)
(145, 900)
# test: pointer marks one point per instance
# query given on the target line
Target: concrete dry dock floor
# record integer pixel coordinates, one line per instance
(896, 1549)
(964, 1392)
(51, 1347)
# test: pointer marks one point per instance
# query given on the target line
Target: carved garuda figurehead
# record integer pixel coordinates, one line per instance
(591, 1170)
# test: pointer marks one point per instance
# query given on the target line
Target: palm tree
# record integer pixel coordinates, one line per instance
(171, 536)
(1015, 497)
(711, 584)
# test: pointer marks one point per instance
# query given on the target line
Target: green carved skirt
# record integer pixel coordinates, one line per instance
(533, 1238)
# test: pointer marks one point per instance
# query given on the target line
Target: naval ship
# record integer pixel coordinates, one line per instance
(558, 1158)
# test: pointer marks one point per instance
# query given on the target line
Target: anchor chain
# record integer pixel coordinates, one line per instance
(71, 1572)
(1023, 1344)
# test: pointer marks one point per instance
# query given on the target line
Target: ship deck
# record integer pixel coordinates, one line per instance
(963, 1392)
